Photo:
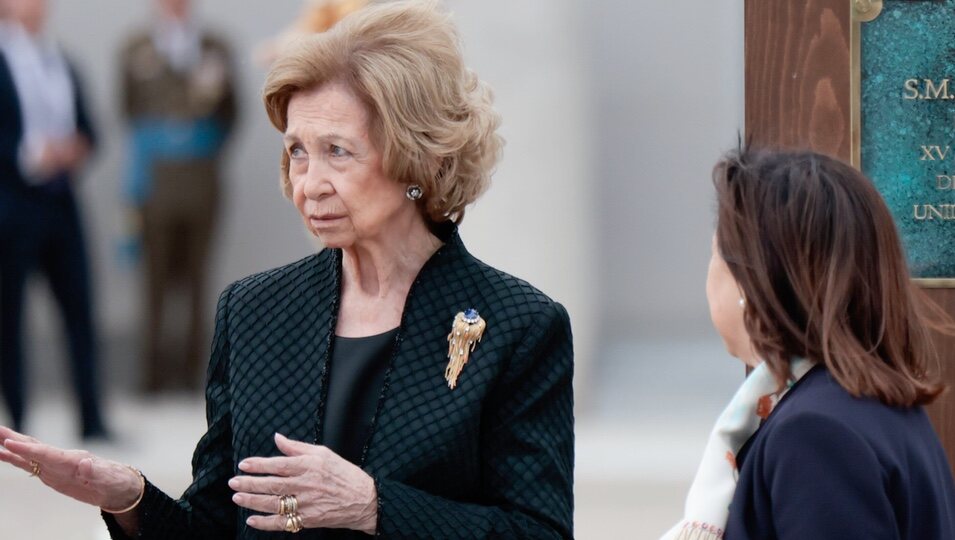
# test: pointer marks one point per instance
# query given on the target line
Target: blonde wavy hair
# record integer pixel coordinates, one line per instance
(431, 117)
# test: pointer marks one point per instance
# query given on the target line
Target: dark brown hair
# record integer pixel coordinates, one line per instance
(816, 254)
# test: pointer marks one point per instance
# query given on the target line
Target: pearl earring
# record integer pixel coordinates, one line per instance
(742, 302)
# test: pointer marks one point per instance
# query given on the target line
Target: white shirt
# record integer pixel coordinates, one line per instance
(45, 91)
(179, 43)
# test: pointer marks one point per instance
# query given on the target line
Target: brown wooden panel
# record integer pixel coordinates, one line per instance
(797, 74)
(942, 411)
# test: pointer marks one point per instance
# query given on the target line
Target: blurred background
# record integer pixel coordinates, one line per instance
(614, 113)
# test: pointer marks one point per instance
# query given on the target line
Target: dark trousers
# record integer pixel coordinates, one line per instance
(178, 222)
(42, 232)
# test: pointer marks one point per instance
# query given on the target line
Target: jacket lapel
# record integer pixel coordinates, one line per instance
(415, 393)
(277, 376)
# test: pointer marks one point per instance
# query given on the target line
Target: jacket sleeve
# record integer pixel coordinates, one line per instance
(84, 122)
(527, 449)
(10, 129)
(826, 483)
(206, 510)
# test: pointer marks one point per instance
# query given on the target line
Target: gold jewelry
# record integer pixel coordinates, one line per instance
(36, 469)
(466, 331)
(288, 505)
(293, 523)
(142, 492)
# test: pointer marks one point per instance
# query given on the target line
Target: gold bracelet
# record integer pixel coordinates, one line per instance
(142, 492)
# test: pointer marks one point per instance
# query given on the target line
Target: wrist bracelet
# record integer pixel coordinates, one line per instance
(142, 492)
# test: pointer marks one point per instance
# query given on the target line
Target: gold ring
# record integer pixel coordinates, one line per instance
(36, 468)
(293, 523)
(288, 505)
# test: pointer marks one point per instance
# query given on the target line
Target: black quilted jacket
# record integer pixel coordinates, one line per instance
(492, 458)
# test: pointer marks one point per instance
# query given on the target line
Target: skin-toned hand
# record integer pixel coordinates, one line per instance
(74, 473)
(48, 162)
(331, 492)
(73, 152)
(68, 154)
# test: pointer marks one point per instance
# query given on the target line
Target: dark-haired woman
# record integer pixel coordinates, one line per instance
(826, 439)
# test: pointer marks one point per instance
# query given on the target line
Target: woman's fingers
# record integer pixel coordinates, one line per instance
(267, 485)
(56, 466)
(268, 523)
(296, 448)
(267, 504)
(336, 493)
(8, 434)
(38, 452)
(7, 456)
(74, 473)
(276, 466)
(11, 449)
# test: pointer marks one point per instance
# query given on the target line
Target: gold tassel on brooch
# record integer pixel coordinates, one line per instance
(466, 332)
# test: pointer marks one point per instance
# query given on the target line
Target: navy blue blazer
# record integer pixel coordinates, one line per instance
(826, 465)
(12, 183)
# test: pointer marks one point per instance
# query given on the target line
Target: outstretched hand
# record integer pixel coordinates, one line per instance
(75, 473)
(330, 492)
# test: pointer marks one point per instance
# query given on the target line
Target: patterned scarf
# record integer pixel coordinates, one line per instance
(707, 503)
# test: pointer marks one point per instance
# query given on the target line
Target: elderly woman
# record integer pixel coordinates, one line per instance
(826, 438)
(391, 384)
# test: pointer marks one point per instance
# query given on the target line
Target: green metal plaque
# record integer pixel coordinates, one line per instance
(907, 119)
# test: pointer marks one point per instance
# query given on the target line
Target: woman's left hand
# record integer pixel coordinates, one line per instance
(330, 491)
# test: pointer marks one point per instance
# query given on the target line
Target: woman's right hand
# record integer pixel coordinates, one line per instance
(74, 473)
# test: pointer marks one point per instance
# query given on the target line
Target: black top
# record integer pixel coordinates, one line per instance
(356, 373)
(491, 458)
(828, 466)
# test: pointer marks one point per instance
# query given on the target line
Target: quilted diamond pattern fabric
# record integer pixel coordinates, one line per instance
(492, 458)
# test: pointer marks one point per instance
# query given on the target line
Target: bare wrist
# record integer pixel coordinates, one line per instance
(132, 495)
(369, 521)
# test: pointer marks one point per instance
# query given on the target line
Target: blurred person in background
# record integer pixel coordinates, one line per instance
(391, 384)
(45, 139)
(178, 98)
(826, 438)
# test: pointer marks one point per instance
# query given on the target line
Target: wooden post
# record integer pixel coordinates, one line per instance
(942, 412)
(798, 75)
(799, 94)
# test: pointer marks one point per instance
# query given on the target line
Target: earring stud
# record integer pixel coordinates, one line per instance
(414, 192)
(742, 302)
